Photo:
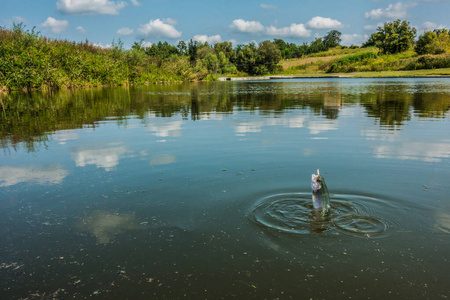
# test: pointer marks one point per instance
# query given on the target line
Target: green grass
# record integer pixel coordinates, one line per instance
(29, 61)
(408, 73)
(367, 62)
(338, 51)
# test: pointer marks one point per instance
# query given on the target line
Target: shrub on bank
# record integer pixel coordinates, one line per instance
(349, 63)
(29, 61)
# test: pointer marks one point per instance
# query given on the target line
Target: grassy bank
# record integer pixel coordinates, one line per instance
(30, 61)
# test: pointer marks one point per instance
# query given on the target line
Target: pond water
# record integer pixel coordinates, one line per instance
(203, 190)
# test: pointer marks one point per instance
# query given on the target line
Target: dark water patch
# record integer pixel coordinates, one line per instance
(350, 214)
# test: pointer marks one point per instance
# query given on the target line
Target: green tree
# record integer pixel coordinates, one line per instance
(394, 37)
(226, 67)
(227, 49)
(371, 42)
(257, 61)
(246, 60)
(317, 46)
(162, 50)
(332, 39)
(211, 62)
(193, 46)
(182, 48)
(283, 46)
(301, 50)
(204, 50)
(433, 42)
(138, 46)
(269, 55)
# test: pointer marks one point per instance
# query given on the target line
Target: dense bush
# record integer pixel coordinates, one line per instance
(429, 62)
(346, 63)
(433, 43)
(30, 61)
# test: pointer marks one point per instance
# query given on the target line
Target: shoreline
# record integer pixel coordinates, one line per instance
(359, 75)
(395, 74)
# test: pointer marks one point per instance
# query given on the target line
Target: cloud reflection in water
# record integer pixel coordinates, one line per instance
(43, 175)
(103, 156)
(443, 221)
(393, 145)
(166, 129)
(254, 126)
(105, 225)
(65, 135)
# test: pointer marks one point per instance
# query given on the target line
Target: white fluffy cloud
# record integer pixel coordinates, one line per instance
(241, 25)
(432, 26)
(160, 28)
(125, 31)
(103, 7)
(323, 23)
(135, 3)
(255, 27)
(295, 30)
(398, 10)
(55, 26)
(202, 38)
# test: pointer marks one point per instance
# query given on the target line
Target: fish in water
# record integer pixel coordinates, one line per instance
(320, 195)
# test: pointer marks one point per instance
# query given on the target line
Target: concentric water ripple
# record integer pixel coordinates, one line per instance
(293, 213)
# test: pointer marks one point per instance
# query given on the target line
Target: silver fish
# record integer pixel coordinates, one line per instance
(320, 195)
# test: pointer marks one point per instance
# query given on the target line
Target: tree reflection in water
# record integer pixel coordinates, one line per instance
(30, 118)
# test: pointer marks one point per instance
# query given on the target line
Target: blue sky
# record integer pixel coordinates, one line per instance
(238, 21)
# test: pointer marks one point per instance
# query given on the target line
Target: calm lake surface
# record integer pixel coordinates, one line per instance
(202, 191)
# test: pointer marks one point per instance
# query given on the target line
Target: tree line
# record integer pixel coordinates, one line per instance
(31, 61)
(252, 59)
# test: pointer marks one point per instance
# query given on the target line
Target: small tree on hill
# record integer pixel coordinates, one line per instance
(332, 39)
(394, 37)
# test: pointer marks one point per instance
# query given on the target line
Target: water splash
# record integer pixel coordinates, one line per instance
(293, 213)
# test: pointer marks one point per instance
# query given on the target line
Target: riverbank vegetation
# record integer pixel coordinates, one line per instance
(29, 61)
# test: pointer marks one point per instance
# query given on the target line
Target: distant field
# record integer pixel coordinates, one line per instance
(325, 56)
(412, 73)
(366, 62)
(289, 63)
